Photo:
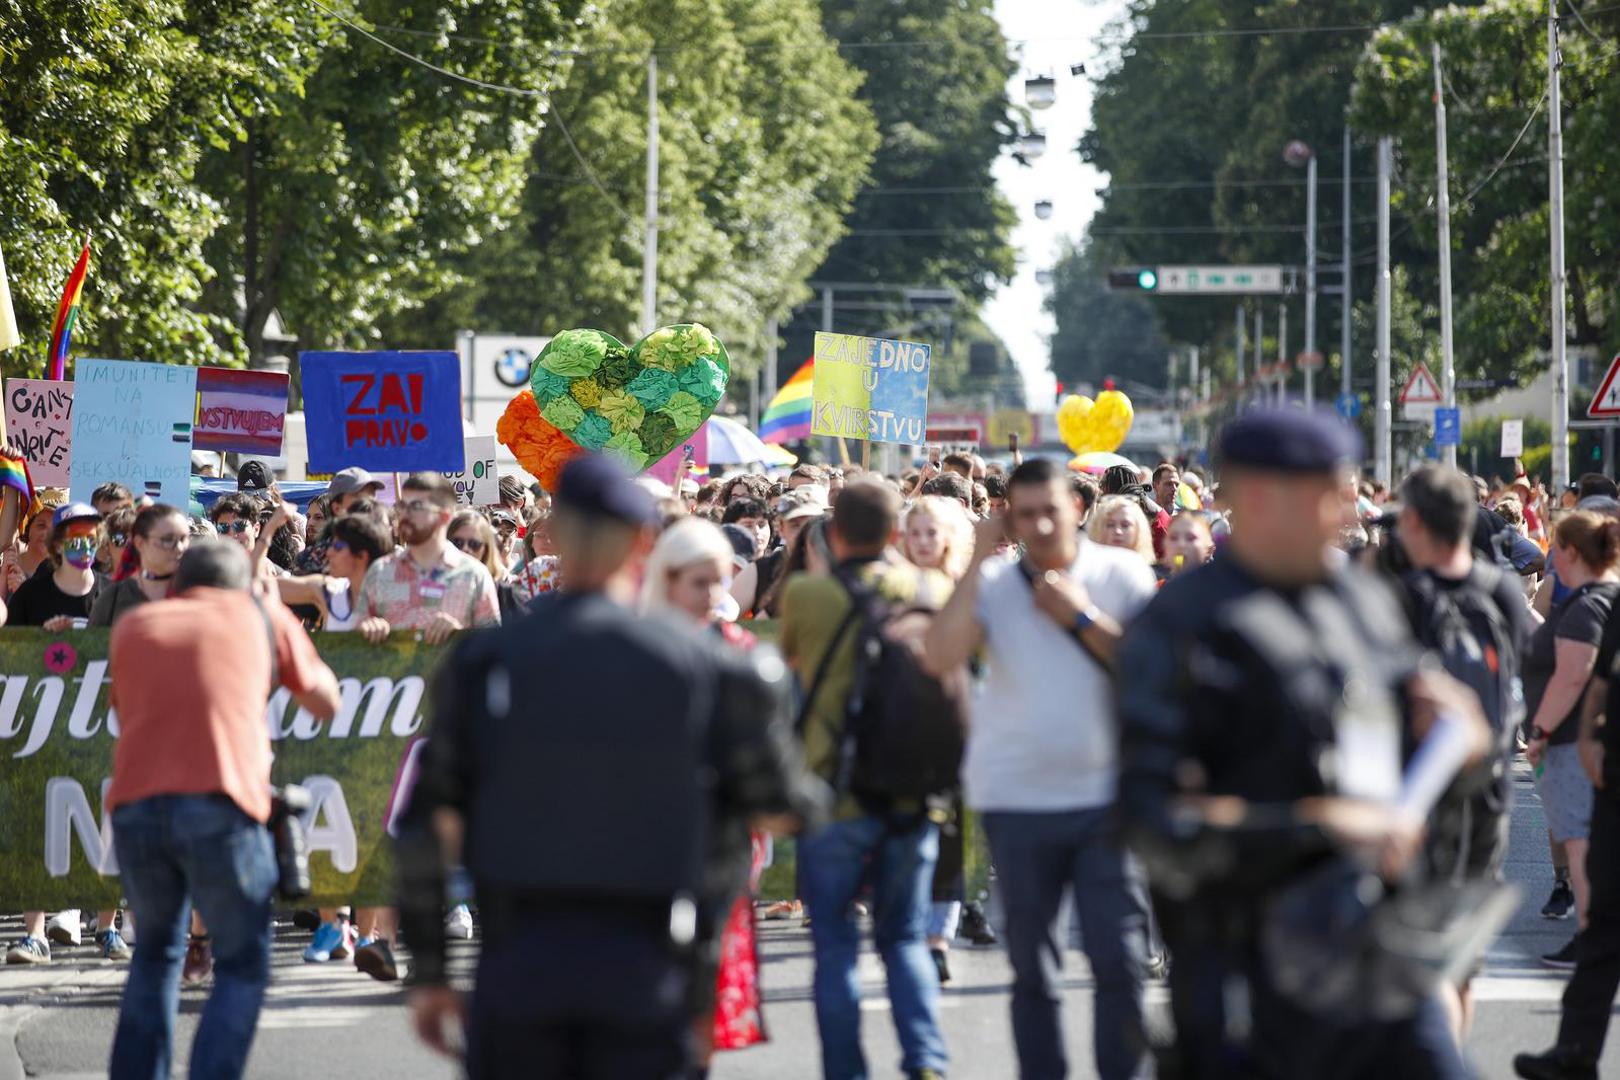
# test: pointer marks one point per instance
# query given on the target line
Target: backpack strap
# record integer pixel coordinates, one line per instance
(826, 662)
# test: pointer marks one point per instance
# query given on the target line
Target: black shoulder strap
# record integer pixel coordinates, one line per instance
(826, 661)
(270, 638)
(1075, 635)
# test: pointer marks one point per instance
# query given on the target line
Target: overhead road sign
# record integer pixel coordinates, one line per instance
(1207, 280)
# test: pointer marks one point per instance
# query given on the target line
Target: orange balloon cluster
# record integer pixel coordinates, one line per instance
(538, 446)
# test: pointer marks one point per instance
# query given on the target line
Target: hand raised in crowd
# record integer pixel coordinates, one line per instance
(374, 630)
(1061, 597)
(439, 628)
(989, 533)
(435, 1011)
(13, 570)
(279, 517)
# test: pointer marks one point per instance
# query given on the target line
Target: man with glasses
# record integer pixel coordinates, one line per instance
(430, 586)
(236, 519)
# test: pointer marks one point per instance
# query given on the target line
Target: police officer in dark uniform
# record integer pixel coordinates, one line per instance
(595, 770)
(1266, 703)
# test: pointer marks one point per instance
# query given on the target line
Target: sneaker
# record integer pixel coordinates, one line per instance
(307, 919)
(328, 940)
(199, 962)
(975, 927)
(942, 965)
(377, 960)
(64, 929)
(1560, 903)
(1558, 1063)
(30, 950)
(113, 946)
(460, 923)
(1563, 959)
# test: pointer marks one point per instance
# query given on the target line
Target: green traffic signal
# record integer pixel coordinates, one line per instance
(1148, 279)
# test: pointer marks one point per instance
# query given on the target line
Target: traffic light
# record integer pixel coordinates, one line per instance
(1134, 279)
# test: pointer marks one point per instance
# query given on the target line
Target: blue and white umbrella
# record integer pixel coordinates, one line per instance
(731, 443)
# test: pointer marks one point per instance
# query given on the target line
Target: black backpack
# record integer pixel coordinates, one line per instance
(904, 730)
(1465, 628)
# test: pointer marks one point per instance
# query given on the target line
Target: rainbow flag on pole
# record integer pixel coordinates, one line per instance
(787, 417)
(67, 313)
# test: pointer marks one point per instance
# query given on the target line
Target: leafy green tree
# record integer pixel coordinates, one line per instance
(353, 176)
(762, 145)
(102, 103)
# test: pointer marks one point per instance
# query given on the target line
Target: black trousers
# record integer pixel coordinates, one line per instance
(1590, 995)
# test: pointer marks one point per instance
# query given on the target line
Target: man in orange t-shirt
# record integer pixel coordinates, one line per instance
(190, 796)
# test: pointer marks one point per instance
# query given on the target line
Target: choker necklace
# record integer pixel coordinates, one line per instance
(156, 577)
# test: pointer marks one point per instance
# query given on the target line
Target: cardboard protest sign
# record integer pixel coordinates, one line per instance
(383, 411)
(132, 424)
(39, 420)
(870, 388)
(476, 482)
(242, 411)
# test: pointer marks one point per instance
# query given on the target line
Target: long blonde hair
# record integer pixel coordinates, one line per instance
(491, 558)
(687, 542)
(1107, 506)
(954, 526)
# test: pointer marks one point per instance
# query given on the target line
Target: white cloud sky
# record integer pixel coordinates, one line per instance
(1051, 35)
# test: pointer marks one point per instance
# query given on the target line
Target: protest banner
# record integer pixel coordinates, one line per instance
(241, 411)
(383, 411)
(57, 736)
(132, 424)
(476, 482)
(39, 422)
(870, 388)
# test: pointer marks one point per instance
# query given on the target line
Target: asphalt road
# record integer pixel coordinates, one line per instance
(330, 1020)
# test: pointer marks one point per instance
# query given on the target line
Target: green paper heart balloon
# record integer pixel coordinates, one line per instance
(637, 403)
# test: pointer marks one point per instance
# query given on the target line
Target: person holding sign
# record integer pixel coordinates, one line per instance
(61, 600)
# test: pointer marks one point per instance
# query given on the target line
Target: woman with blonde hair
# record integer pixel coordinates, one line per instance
(1118, 521)
(687, 575)
(936, 534)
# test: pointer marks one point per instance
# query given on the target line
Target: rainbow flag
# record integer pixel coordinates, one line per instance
(787, 417)
(67, 313)
(14, 474)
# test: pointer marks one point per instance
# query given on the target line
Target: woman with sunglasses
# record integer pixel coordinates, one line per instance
(472, 534)
(158, 537)
(355, 542)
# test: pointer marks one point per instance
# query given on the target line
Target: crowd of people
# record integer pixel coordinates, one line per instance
(1214, 717)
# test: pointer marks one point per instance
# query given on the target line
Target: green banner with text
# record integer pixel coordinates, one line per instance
(57, 735)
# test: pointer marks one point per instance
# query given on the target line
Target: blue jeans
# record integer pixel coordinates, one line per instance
(895, 857)
(173, 851)
(1038, 856)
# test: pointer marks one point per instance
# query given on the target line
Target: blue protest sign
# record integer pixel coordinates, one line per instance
(1348, 405)
(132, 424)
(1448, 427)
(383, 411)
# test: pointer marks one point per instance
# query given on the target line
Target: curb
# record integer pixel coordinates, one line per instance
(11, 1022)
(14, 1014)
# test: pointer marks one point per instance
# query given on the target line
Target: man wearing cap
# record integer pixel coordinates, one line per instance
(346, 488)
(590, 933)
(1263, 702)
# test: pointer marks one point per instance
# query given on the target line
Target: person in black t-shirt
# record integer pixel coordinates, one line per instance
(61, 600)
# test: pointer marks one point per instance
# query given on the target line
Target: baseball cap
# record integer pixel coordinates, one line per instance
(348, 481)
(253, 476)
(74, 512)
(598, 487)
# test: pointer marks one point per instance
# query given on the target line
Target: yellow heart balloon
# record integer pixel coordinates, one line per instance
(1072, 417)
(1110, 421)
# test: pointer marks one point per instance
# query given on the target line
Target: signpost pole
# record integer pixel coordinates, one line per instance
(1383, 452)
(1242, 346)
(1555, 200)
(1310, 280)
(1448, 373)
(1346, 298)
(649, 250)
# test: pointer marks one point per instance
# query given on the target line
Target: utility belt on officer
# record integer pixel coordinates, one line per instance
(506, 912)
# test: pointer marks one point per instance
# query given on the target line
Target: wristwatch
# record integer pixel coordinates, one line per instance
(1538, 735)
(1086, 619)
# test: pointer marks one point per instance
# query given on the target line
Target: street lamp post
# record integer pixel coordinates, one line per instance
(1296, 153)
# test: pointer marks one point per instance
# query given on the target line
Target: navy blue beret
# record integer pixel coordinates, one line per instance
(596, 486)
(1289, 440)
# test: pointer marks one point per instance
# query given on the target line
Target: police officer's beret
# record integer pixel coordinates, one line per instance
(596, 486)
(1288, 440)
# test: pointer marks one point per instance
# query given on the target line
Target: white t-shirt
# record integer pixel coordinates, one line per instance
(1043, 735)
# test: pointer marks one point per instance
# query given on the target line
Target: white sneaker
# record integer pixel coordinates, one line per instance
(459, 924)
(64, 929)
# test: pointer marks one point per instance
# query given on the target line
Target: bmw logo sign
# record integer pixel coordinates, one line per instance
(512, 367)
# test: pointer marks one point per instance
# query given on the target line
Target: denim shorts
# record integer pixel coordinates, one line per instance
(1566, 793)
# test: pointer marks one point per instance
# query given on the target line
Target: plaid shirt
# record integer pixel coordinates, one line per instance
(408, 596)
